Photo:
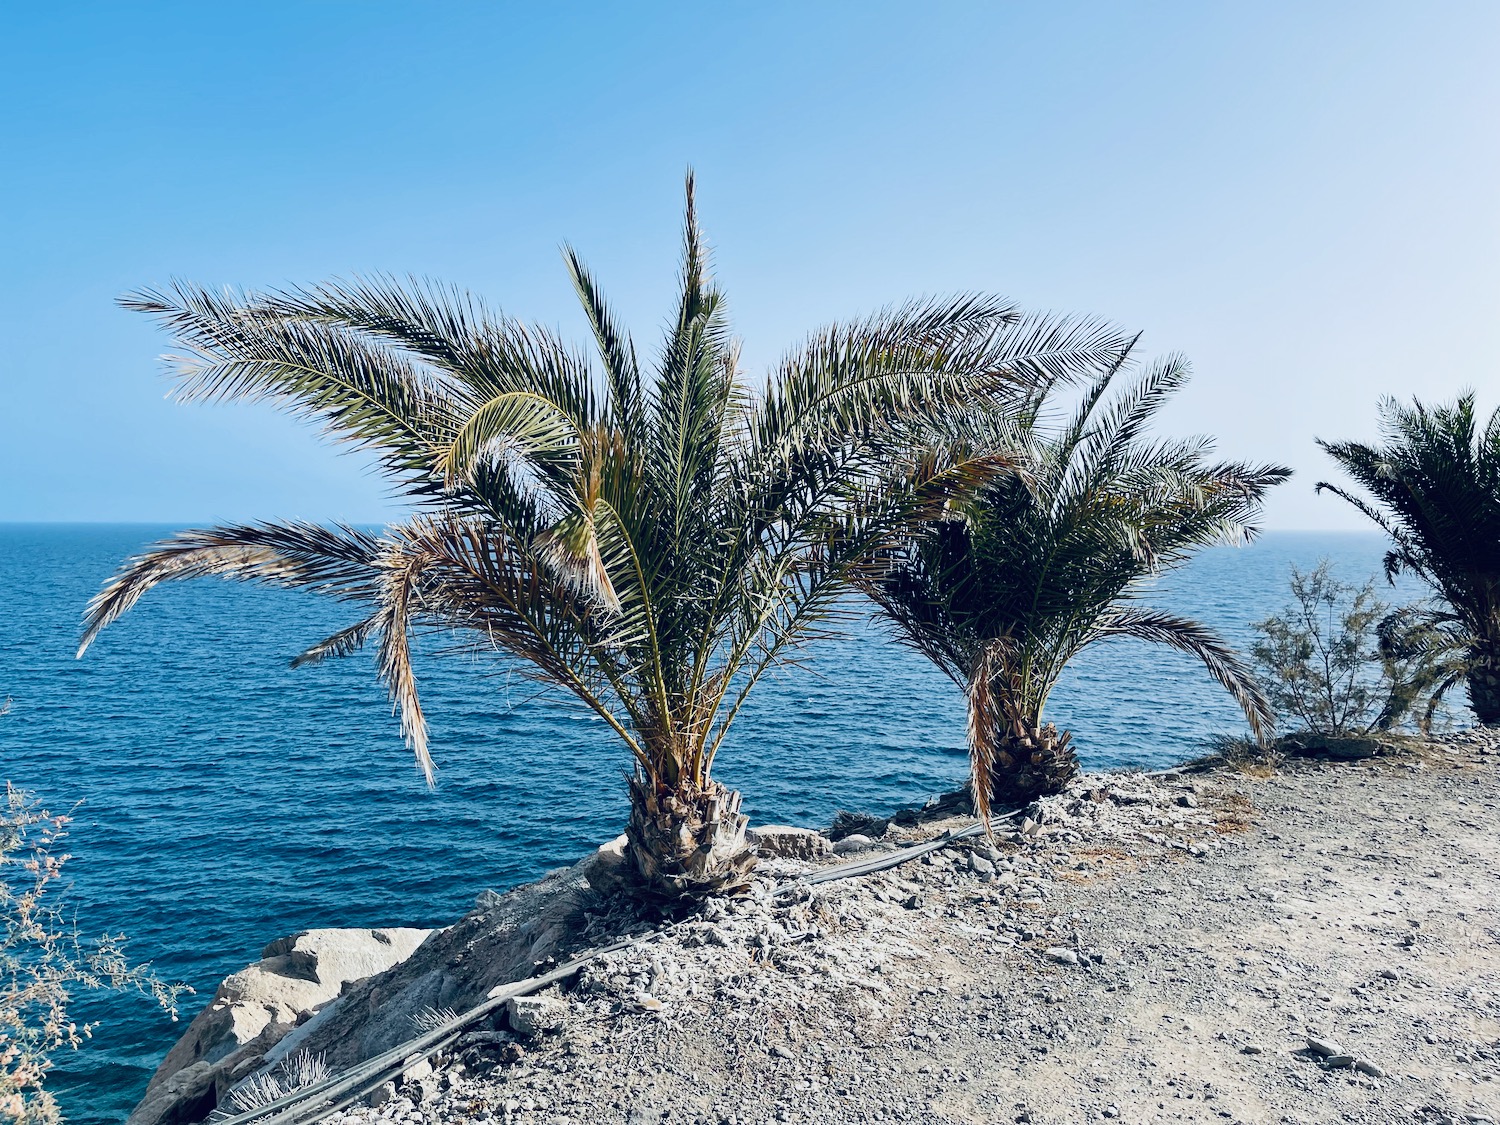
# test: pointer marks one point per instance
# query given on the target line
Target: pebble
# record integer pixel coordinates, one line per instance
(1325, 1047)
(856, 842)
(1061, 955)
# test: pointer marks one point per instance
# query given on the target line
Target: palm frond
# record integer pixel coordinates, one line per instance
(1197, 640)
(339, 561)
(346, 642)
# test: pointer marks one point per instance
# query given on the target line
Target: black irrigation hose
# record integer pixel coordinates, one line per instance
(312, 1103)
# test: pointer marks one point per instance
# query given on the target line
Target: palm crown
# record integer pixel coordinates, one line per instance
(1007, 590)
(650, 541)
(1434, 488)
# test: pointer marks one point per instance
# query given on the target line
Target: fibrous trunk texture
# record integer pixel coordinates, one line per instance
(688, 844)
(1030, 761)
(1484, 688)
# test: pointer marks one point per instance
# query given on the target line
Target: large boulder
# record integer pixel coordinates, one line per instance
(253, 1009)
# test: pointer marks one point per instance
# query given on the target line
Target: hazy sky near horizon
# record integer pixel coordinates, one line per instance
(1301, 197)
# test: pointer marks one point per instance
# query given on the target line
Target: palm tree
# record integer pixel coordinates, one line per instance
(1434, 488)
(650, 541)
(1010, 586)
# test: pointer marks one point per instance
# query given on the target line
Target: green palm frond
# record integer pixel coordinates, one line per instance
(1202, 643)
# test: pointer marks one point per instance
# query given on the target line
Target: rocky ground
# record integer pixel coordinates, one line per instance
(1316, 943)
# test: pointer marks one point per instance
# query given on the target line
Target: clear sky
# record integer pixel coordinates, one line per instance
(1302, 197)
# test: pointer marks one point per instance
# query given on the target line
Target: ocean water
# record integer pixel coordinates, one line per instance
(227, 800)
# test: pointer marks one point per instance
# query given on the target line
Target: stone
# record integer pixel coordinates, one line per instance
(981, 865)
(533, 1015)
(1338, 1062)
(780, 1052)
(852, 844)
(1326, 1048)
(1187, 800)
(381, 1094)
(786, 842)
(1061, 955)
(1252, 1049)
(1368, 1068)
(606, 871)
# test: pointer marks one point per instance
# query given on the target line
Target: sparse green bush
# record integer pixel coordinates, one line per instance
(1340, 663)
(43, 959)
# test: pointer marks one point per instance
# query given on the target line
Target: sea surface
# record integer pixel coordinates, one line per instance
(225, 799)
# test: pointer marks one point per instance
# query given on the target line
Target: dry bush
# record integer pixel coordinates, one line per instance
(43, 959)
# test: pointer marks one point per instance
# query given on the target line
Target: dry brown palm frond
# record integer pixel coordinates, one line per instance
(404, 573)
(987, 726)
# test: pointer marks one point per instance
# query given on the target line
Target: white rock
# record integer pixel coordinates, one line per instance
(531, 1015)
(852, 844)
(1325, 1047)
(785, 842)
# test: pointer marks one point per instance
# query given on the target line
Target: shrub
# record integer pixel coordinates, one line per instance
(43, 959)
(1340, 663)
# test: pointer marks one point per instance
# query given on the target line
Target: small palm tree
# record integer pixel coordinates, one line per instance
(1434, 488)
(1012, 585)
(651, 542)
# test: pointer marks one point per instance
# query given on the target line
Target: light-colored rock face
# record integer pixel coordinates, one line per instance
(255, 1007)
(785, 842)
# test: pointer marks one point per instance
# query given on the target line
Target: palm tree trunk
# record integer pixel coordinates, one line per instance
(689, 843)
(1031, 760)
(1484, 686)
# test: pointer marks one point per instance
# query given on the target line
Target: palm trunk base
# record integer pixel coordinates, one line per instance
(688, 844)
(1484, 693)
(1035, 761)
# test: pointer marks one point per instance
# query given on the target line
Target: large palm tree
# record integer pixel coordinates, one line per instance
(1012, 584)
(649, 540)
(1434, 488)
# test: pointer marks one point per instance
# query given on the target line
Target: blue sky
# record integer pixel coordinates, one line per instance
(1300, 197)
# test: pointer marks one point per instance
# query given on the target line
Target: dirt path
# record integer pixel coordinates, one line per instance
(1151, 951)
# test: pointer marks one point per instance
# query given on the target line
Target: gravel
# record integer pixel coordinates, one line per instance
(1123, 953)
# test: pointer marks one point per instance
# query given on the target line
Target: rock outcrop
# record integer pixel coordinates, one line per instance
(346, 995)
(257, 1007)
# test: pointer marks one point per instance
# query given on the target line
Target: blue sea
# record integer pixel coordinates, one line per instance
(226, 799)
